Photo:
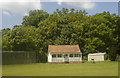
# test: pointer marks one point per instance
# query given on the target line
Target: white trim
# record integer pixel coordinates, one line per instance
(62, 59)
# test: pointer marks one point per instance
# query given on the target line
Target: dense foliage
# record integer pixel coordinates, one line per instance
(94, 33)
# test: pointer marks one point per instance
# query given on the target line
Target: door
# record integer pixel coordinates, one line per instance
(66, 58)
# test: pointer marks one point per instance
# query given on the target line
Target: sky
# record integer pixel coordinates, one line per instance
(12, 13)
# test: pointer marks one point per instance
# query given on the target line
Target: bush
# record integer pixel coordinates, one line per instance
(42, 57)
(112, 55)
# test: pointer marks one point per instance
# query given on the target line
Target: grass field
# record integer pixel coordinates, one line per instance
(106, 68)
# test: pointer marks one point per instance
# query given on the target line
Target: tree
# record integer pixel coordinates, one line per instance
(94, 33)
(34, 17)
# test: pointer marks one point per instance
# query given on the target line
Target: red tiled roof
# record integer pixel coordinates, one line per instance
(63, 48)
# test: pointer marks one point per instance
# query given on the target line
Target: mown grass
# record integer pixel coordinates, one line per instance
(106, 68)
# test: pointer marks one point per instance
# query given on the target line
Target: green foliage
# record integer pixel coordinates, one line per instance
(0, 40)
(94, 33)
(19, 39)
(42, 56)
(34, 17)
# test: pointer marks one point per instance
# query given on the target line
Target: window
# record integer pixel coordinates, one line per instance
(59, 55)
(54, 56)
(71, 55)
(76, 55)
(79, 55)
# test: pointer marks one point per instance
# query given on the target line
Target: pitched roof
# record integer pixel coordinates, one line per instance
(63, 48)
(92, 54)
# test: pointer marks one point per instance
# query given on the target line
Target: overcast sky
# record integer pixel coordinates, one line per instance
(11, 13)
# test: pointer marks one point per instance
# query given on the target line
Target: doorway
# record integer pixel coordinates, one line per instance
(66, 58)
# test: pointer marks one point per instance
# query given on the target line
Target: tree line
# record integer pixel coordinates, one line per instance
(93, 33)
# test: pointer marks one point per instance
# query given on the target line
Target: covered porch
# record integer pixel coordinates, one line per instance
(66, 57)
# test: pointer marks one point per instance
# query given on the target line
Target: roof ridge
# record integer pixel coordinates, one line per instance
(62, 45)
(64, 48)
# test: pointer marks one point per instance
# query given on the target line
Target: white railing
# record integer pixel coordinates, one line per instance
(57, 59)
(63, 59)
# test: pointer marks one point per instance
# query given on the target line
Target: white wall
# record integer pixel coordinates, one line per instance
(49, 57)
(96, 57)
(75, 59)
(61, 59)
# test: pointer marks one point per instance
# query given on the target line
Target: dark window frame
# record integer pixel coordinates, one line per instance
(59, 55)
(54, 55)
(76, 55)
(71, 55)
